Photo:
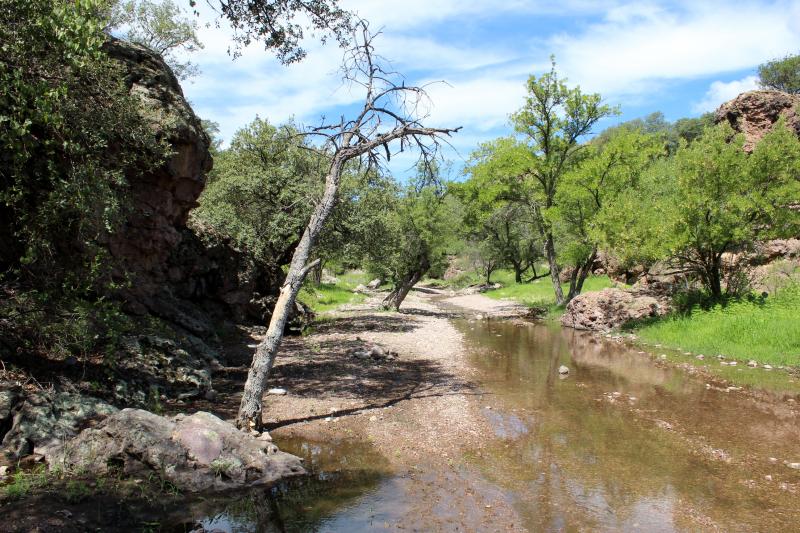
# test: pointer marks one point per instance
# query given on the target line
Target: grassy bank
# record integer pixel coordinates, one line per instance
(329, 296)
(539, 293)
(767, 331)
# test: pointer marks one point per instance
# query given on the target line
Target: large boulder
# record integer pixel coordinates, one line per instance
(195, 453)
(611, 308)
(753, 113)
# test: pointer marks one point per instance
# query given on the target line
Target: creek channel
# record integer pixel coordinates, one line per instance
(622, 443)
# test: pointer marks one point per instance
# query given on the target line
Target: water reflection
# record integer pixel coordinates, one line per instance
(623, 444)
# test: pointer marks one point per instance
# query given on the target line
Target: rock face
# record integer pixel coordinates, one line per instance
(611, 308)
(195, 453)
(181, 272)
(161, 198)
(753, 113)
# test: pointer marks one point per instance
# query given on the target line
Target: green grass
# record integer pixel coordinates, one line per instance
(766, 331)
(539, 293)
(329, 296)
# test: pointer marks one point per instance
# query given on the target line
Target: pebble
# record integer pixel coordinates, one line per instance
(701, 357)
(768, 477)
(563, 370)
(773, 460)
(277, 392)
(752, 364)
(663, 356)
(732, 363)
(616, 394)
(795, 466)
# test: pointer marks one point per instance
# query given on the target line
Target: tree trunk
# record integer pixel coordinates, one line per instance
(517, 272)
(550, 252)
(579, 275)
(316, 273)
(249, 415)
(714, 270)
(401, 289)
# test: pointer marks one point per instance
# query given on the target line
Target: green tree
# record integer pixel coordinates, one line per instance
(611, 164)
(417, 232)
(725, 200)
(161, 26)
(781, 74)
(529, 171)
(262, 190)
(498, 227)
(64, 114)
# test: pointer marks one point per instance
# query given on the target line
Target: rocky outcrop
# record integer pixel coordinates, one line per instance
(185, 274)
(161, 198)
(611, 308)
(753, 113)
(195, 453)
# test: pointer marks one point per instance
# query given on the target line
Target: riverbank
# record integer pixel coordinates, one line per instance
(452, 416)
(758, 330)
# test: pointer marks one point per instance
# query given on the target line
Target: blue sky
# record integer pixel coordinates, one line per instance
(680, 57)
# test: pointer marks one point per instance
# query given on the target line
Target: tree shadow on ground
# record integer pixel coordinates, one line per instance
(383, 322)
(329, 369)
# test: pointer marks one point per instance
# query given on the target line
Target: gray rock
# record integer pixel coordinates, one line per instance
(195, 453)
(563, 370)
(377, 352)
(374, 284)
(41, 421)
(360, 289)
(277, 392)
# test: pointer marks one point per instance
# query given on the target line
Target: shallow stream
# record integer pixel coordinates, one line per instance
(622, 443)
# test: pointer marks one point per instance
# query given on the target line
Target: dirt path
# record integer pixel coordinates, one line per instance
(418, 407)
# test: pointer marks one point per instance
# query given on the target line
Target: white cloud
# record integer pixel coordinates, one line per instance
(630, 55)
(720, 92)
(629, 52)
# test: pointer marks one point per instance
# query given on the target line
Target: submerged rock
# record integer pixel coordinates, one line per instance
(611, 308)
(195, 453)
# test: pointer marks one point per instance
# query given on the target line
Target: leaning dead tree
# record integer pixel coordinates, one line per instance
(391, 112)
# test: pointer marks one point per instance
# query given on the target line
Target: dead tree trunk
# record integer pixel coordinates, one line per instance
(250, 408)
(388, 114)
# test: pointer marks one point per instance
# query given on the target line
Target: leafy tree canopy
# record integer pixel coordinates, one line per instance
(281, 24)
(159, 25)
(781, 74)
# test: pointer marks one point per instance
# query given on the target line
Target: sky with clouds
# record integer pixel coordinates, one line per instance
(682, 58)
